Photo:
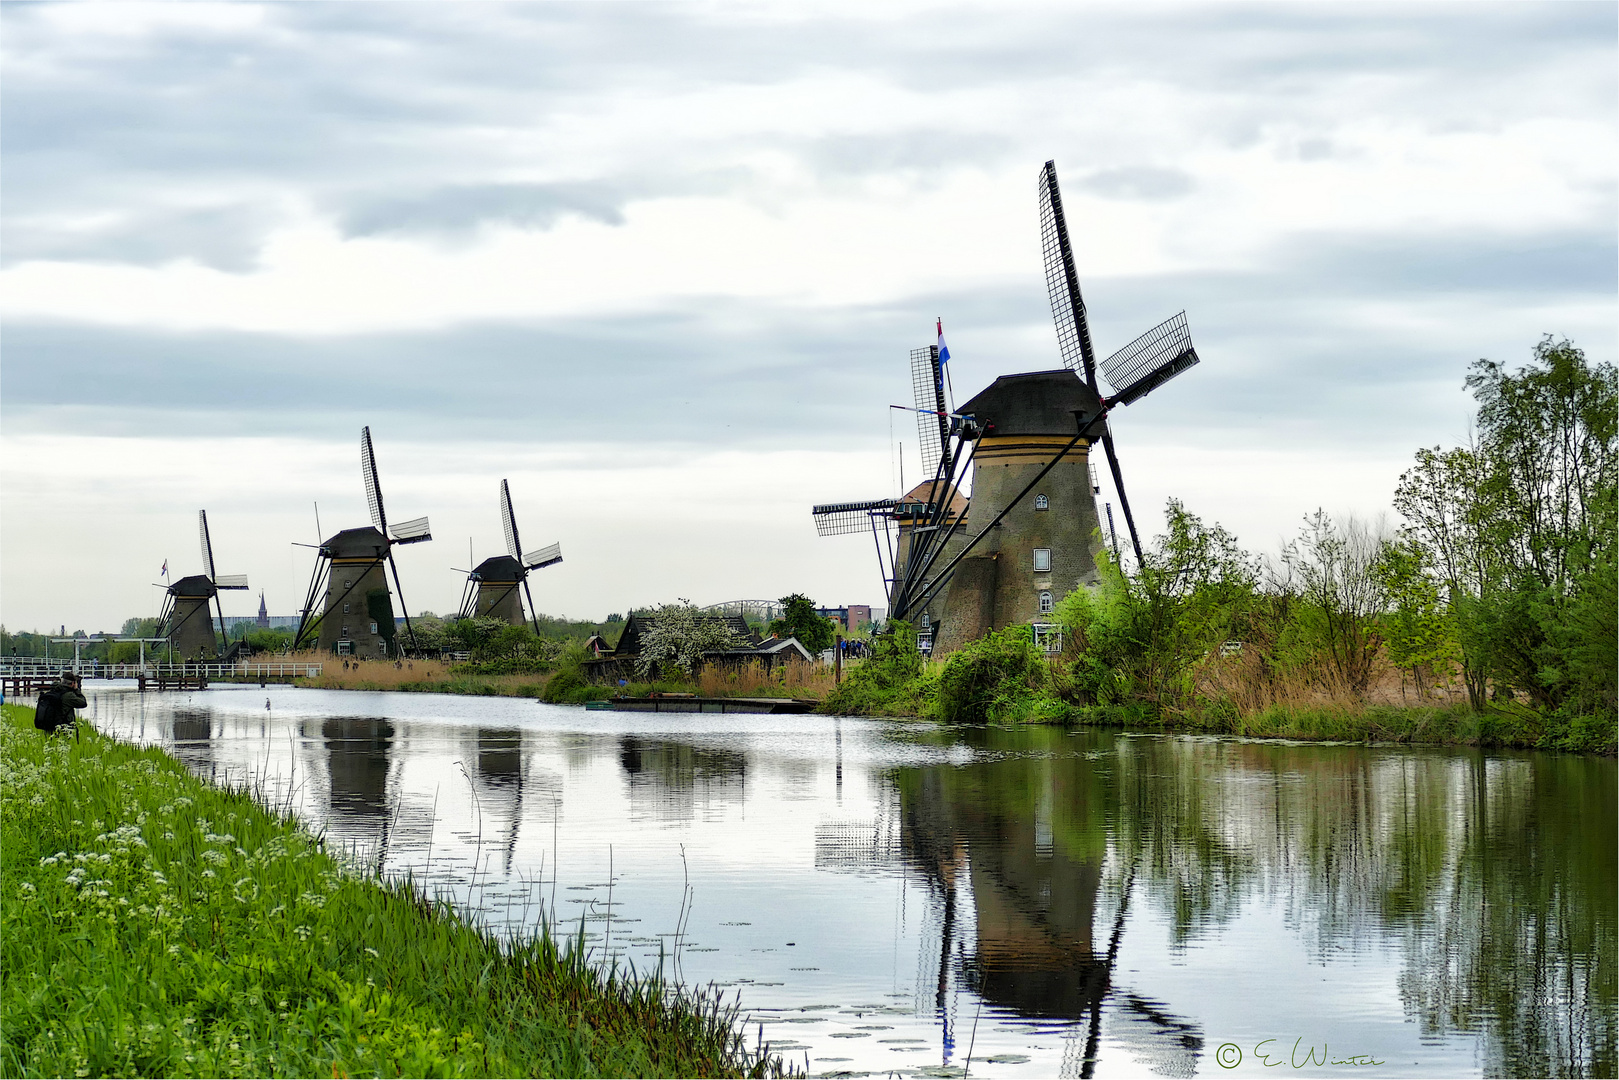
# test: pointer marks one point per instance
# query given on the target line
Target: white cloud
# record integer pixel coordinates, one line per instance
(1327, 191)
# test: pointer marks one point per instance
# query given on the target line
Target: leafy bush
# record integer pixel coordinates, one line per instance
(1000, 677)
(894, 681)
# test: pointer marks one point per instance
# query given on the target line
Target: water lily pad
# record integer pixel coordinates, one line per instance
(1007, 1059)
(851, 1034)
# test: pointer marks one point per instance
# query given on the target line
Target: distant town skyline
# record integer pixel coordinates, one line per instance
(661, 266)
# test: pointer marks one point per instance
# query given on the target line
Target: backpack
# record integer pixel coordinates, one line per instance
(48, 712)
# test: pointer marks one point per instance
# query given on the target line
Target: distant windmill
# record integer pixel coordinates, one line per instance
(1026, 538)
(356, 613)
(933, 506)
(186, 620)
(492, 585)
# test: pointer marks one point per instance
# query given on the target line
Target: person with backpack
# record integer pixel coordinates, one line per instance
(57, 702)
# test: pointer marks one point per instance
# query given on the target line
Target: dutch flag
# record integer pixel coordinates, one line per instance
(944, 350)
(165, 571)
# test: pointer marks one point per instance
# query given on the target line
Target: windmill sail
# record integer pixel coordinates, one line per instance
(207, 546)
(373, 492)
(413, 531)
(840, 519)
(1150, 360)
(549, 555)
(927, 389)
(230, 581)
(508, 521)
(1062, 282)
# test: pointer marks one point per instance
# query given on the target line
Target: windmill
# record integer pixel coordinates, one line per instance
(1033, 518)
(491, 588)
(1026, 539)
(351, 580)
(186, 620)
(927, 508)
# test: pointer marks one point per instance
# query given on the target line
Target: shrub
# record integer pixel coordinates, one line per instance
(1000, 677)
(894, 681)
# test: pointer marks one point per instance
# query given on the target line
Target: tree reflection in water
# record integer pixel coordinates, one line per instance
(1493, 874)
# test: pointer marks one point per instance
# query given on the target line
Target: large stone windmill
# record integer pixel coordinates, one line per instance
(492, 585)
(186, 620)
(350, 581)
(1027, 538)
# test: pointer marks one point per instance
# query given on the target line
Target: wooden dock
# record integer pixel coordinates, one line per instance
(682, 703)
(24, 688)
(171, 682)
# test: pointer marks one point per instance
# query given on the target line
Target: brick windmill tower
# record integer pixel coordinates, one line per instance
(492, 585)
(186, 620)
(351, 580)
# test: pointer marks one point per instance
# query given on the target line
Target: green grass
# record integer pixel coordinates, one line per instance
(1435, 725)
(154, 925)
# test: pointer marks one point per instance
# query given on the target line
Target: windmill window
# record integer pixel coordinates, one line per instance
(1045, 601)
(373, 628)
(347, 584)
(1042, 560)
(345, 631)
(345, 609)
(1042, 503)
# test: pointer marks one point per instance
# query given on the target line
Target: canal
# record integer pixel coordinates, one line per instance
(893, 897)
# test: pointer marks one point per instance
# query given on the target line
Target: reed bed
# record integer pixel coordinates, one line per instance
(157, 926)
(795, 680)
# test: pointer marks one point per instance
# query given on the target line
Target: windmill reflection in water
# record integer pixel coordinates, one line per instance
(1049, 908)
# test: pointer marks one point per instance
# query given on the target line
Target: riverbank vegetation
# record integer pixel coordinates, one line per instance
(1488, 618)
(156, 926)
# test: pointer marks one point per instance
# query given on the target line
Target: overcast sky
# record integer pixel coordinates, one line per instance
(661, 266)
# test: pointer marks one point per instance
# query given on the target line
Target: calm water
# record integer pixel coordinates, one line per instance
(894, 897)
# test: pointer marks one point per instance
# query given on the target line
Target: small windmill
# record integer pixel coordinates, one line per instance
(186, 620)
(356, 614)
(492, 585)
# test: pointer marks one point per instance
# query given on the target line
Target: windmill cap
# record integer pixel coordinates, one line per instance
(366, 543)
(195, 585)
(1033, 403)
(499, 568)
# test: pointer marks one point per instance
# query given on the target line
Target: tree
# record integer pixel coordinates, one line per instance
(799, 620)
(1343, 595)
(1416, 631)
(1139, 638)
(1521, 529)
(677, 635)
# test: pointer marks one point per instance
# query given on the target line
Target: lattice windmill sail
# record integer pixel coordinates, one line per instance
(186, 620)
(350, 581)
(492, 586)
(932, 421)
(1135, 370)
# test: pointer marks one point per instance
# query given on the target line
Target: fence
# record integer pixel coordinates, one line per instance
(35, 667)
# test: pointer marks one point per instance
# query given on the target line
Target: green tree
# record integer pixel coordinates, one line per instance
(799, 620)
(1139, 638)
(1521, 528)
(1416, 631)
(1343, 596)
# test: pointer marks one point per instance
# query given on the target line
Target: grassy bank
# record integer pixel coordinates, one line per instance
(1004, 678)
(153, 925)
